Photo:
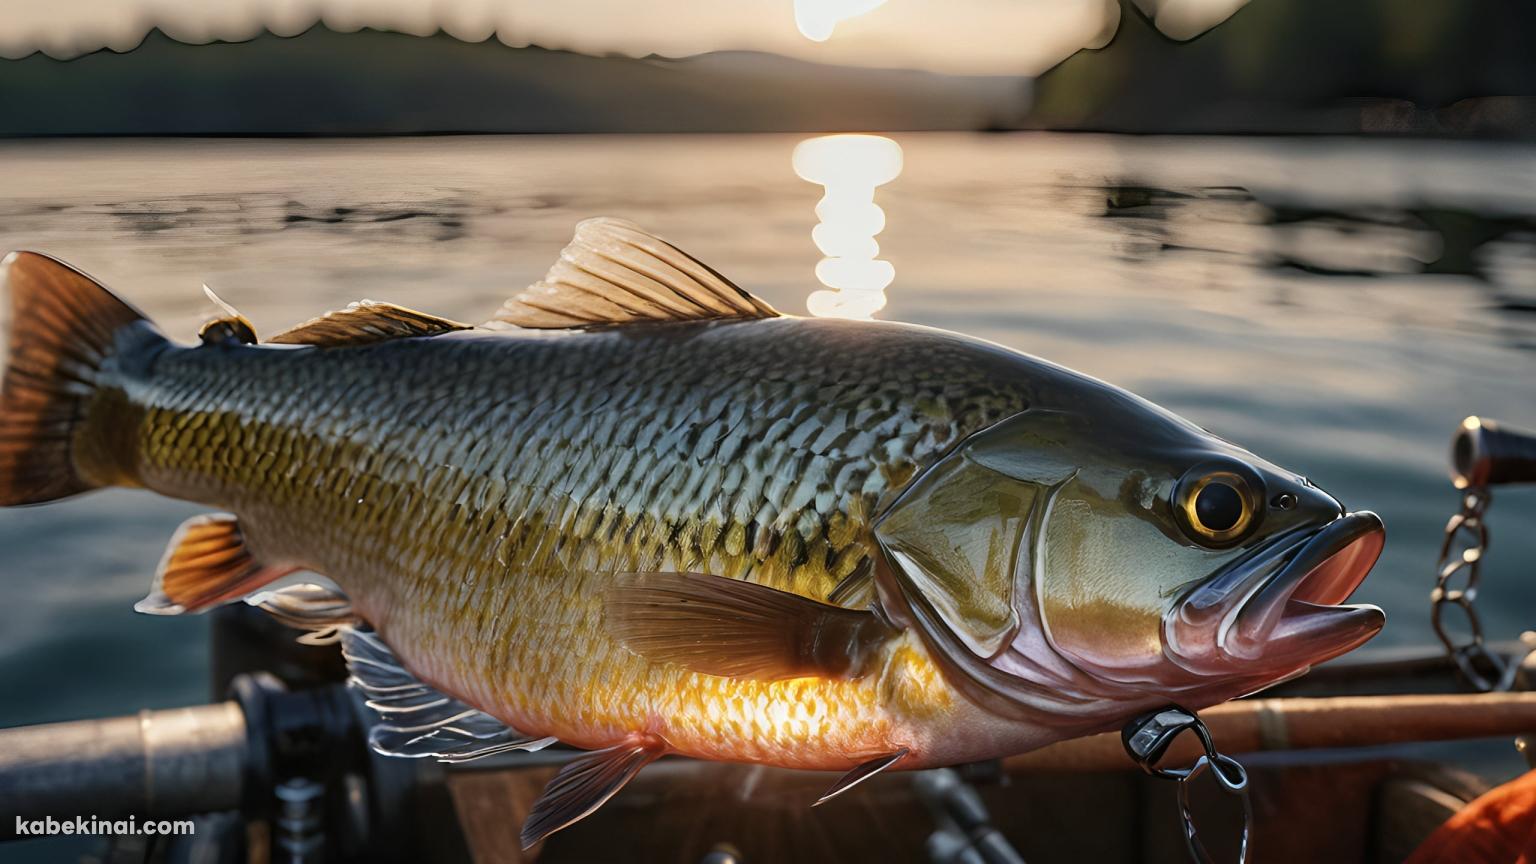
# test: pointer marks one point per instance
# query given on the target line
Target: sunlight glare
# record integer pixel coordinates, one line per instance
(818, 18)
(850, 167)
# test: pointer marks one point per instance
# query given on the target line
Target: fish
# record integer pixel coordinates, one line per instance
(641, 512)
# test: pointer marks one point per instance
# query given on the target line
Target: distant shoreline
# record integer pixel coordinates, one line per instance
(1250, 76)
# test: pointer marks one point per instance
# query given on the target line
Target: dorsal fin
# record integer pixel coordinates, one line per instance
(615, 272)
(365, 322)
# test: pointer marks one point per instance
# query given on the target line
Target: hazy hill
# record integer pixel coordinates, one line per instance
(1440, 67)
(373, 83)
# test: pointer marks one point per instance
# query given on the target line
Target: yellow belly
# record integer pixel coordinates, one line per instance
(543, 663)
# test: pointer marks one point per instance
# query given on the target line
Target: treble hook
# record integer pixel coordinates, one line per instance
(1147, 739)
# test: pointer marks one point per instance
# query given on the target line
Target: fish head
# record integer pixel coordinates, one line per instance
(1112, 552)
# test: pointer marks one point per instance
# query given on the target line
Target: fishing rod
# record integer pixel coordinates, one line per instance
(229, 755)
(297, 758)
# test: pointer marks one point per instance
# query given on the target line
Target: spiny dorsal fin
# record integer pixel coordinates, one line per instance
(363, 323)
(206, 564)
(737, 629)
(614, 272)
(584, 784)
(417, 720)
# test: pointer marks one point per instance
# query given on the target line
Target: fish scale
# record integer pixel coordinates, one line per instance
(478, 521)
(626, 535)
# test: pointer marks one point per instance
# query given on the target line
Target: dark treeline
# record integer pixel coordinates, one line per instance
(1437, 67)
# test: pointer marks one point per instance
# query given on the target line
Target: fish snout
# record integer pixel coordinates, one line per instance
(1283, 608)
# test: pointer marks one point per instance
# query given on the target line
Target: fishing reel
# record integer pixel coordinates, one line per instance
(1483, 454)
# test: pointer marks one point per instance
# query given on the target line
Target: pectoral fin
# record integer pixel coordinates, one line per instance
(738, 629)
(861, 773)
(584, 784)
(206, 564)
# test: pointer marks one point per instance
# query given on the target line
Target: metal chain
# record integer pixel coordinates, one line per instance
(1148, 737)
(1456, 579)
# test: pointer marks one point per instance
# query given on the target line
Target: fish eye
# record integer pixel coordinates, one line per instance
(1217, 507)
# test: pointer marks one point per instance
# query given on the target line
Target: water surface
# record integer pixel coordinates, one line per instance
(1336, 306)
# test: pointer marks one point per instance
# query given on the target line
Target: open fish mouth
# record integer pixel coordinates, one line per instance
(1281, 608)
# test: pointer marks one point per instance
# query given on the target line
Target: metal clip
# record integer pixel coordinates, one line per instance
(1147, 739)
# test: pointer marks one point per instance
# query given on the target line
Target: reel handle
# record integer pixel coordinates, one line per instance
(1485, 453)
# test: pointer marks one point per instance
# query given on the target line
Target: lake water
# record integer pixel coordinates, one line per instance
(1336, 306)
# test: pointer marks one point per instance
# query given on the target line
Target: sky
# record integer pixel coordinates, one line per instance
(967, 37)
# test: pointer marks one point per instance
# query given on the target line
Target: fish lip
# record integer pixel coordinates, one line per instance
(1279, 608)
(1298, 615)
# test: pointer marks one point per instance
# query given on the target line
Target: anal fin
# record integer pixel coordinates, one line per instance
(737, 629)
(206, 564)
(861, 773)
(417, 720)
(584, 784)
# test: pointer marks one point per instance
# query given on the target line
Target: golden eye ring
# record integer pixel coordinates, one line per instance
(1219, 508)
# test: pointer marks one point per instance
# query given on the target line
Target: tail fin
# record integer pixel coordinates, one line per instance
(62, 324)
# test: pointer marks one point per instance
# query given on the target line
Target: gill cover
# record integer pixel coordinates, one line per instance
(964, 537)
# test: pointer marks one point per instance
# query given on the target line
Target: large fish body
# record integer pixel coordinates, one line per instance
(477, 493)
(708, 530)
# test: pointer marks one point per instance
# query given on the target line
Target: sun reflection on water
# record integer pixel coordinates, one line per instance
(850, 167)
